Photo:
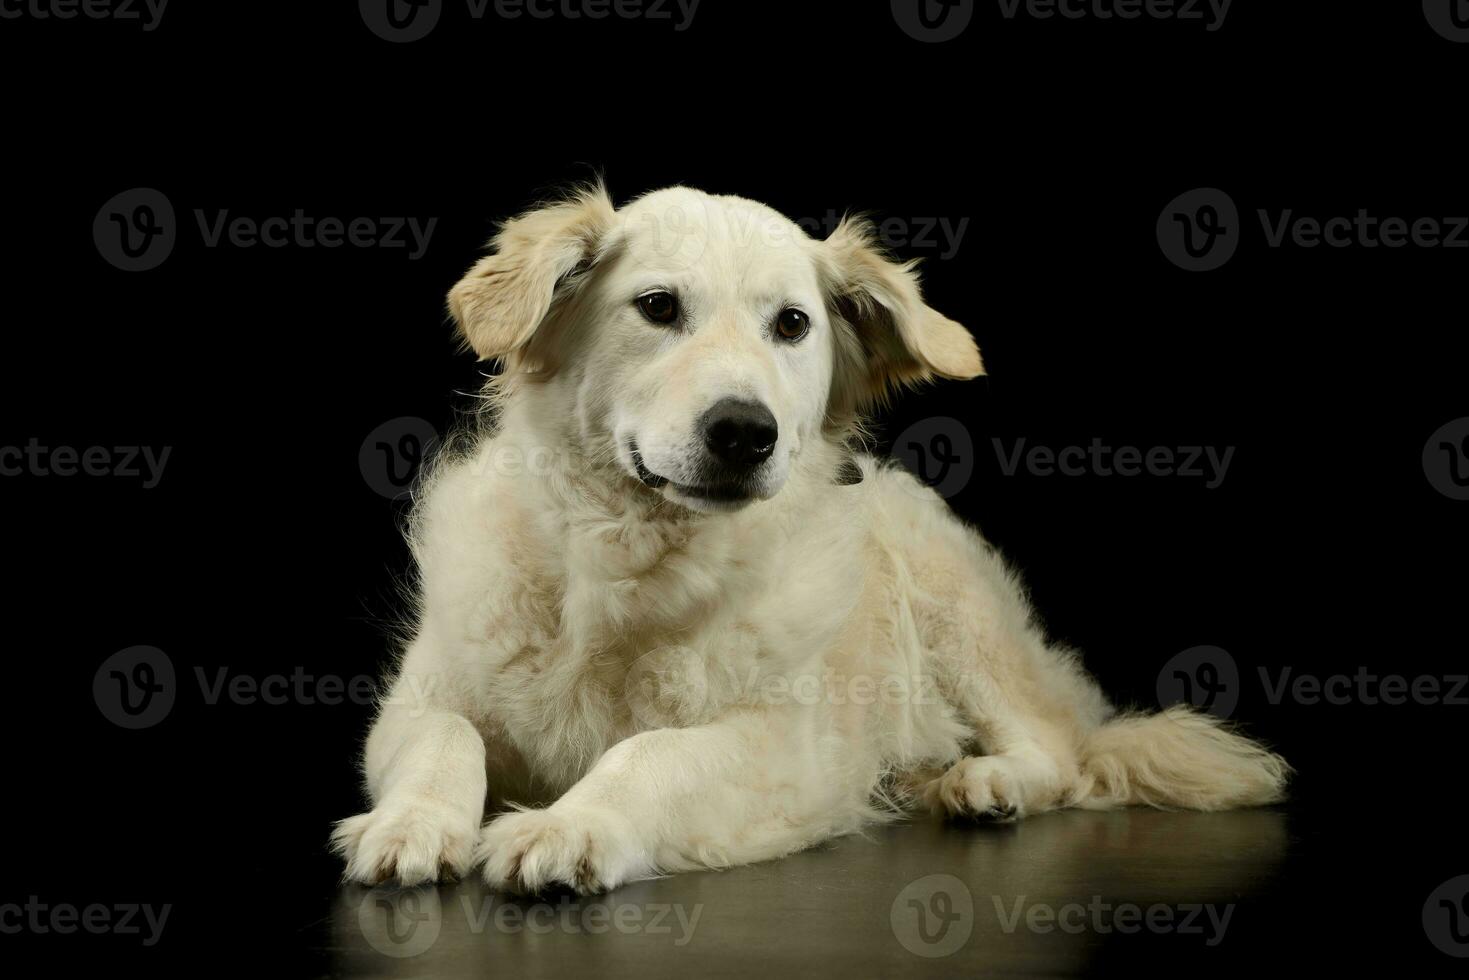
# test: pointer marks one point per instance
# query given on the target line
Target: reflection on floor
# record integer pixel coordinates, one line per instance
(1064, 893)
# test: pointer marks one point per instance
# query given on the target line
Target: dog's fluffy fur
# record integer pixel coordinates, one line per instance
(688, 683)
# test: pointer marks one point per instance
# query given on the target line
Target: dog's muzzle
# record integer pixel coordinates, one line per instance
(739, 437)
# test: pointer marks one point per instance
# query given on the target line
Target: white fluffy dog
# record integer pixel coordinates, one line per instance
(662, 597)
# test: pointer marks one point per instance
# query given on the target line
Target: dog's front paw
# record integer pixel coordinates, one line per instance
(589, 849)
(413, 841)
(997, 788)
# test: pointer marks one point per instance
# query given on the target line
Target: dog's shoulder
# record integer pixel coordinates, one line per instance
(895, 506)
(471, 517)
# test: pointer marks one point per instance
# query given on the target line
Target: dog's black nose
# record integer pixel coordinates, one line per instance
(740, 434)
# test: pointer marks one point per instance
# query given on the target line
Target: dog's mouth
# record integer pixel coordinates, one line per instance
(733, 492)
(650, 479)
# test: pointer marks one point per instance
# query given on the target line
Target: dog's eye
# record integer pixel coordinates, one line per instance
(792, 325)
(659, 307)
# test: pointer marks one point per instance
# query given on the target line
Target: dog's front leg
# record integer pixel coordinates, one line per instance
(425, 770)
(751, 786)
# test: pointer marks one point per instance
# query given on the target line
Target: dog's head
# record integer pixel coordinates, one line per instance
(704, 340)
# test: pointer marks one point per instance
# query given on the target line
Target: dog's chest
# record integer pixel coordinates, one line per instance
(564, 703)
(667, 642)
(617, 623)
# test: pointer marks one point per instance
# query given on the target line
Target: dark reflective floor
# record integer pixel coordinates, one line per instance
(1304, 890)
(1061, 894)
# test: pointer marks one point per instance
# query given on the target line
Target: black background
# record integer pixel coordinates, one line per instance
(264, 550)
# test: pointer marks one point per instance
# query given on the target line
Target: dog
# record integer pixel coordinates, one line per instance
(669, 616)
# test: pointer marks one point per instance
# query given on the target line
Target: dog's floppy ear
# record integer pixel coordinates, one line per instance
(894, 338)
(502, 300)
